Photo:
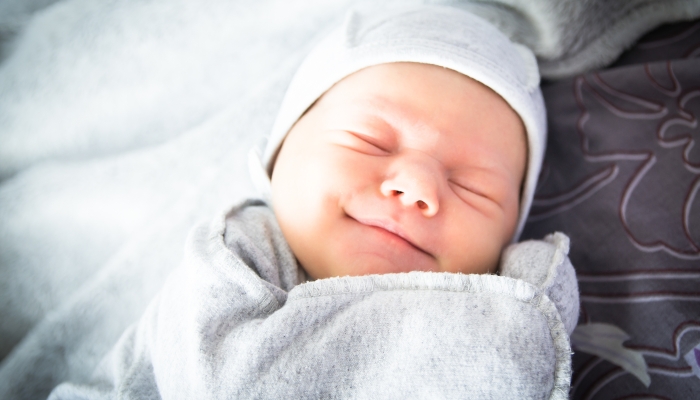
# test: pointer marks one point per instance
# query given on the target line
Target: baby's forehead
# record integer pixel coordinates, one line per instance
(383, 87)
(425, 108)
(414, 96)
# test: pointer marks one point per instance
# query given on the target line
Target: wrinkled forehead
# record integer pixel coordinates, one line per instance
(382, 87)
(406, 97)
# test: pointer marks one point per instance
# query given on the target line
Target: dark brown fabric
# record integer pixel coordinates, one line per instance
(622, 179)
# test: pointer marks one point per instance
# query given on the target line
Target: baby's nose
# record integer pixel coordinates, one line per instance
(415, 186)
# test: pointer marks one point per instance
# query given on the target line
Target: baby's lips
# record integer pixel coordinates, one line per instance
(393, 227)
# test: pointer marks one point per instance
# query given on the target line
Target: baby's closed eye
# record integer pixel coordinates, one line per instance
(466, 187)
(476, 191)
(362, 143)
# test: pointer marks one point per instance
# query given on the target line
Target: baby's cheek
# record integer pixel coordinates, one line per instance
(473, 244)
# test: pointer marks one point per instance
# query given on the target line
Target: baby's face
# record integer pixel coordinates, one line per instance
(401, 167)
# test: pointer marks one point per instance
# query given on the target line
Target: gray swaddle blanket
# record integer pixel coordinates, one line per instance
(237, 320)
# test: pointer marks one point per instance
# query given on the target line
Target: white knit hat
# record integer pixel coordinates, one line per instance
(439, 35)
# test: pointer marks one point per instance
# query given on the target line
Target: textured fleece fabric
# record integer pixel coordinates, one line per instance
(238, 320)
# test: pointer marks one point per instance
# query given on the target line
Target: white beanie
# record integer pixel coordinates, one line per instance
(438, 35)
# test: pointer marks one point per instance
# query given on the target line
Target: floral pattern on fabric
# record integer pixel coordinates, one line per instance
(621, 178)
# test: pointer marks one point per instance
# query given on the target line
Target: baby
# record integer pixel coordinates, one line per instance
(402, 164)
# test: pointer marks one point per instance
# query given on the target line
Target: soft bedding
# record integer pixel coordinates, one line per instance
(124, 123)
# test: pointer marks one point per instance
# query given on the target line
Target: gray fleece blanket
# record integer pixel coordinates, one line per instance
(123, 123)
(237, 321)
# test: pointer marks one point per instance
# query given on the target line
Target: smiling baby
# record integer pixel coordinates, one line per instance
(381, 261)
(398, 149)
(401, 167)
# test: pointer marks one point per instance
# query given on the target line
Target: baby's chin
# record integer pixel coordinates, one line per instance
(369, 263)
(374, 264)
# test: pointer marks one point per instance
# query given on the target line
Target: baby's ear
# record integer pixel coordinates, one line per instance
(545, 264)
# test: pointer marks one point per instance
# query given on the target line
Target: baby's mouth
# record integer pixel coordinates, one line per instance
(392, 228)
